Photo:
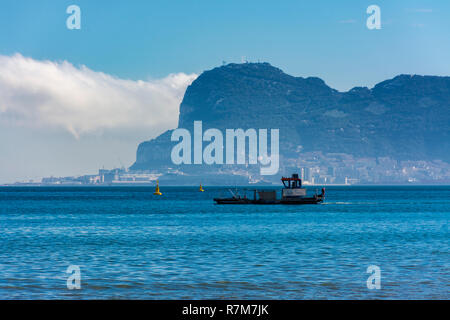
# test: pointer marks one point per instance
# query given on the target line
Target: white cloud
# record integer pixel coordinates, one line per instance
(57, 94)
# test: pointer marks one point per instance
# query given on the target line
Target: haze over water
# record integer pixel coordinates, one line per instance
(130, 244)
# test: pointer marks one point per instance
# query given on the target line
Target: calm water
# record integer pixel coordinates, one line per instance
(130, 244)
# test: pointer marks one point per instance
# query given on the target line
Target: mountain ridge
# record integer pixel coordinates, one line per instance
(404, 118)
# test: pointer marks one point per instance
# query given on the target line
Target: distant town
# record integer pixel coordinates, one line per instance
(342, 168)
(117, 176)
(315, 168)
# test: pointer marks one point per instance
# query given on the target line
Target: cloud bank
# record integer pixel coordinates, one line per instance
(57, 94)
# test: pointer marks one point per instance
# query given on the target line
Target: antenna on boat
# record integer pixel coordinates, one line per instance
(231, 191)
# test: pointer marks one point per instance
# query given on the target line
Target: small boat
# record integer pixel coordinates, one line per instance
(292, 193)
(157, 192)
(201, 188)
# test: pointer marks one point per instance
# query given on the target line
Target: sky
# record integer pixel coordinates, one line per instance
(73, 101)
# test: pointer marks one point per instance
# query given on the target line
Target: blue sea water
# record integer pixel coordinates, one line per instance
(130, 244)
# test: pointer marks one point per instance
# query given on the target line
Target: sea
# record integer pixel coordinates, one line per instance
(363, 242)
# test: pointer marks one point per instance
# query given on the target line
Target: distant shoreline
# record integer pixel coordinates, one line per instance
(215, 186)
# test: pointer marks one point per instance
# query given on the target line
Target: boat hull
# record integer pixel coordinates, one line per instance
(288, 201)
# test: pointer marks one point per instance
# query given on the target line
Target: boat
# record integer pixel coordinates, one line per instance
(157, 192)
(292, 193)
(201, 188)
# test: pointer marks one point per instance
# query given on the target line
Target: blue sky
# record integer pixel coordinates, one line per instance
(51, 123)
(142, 39)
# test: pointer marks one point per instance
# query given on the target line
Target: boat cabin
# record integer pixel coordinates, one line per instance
(293, 187)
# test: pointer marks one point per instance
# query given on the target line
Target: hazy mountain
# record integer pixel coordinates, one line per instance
(404, 118)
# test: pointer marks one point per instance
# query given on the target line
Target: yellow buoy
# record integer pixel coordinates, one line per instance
(157, 192)
(201, 188)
